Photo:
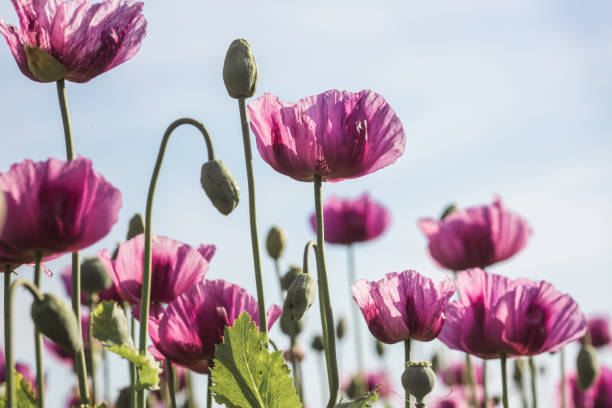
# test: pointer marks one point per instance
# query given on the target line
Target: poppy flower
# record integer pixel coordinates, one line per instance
(599, 330)
(599, 395)
(76, 40)
(336, 135)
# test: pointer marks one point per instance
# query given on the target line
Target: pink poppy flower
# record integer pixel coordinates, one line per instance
(475, 237)
(187, 331)
(352, 220)
(336, 135)
(599, 395)
(175, 267)
(455, 374)
(599, 330)
(106, 294)
(365, 382)
(402, 306)
(86, 39)
(54, 207)
(496, 315)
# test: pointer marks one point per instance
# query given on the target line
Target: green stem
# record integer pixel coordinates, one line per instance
(79, 359)
(533, 374)
(106, 372)
(280, 280)
(485, 388)
(61, 95)
(504, 372)
(90, 350)
(209, 385)
(145, 296)
(406, 360)
(563, 384)
(131, 365)
(171, 383)
(355, 310)
(248, 159)
(330, 351)
(40, 375)
(8, 327)
(469, 367)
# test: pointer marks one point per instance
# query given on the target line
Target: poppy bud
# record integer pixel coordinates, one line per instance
(451, 208)
(289, 326)
(94, 276)
(587, 367)
(300, 296)
(55, 319)
(341, 328)
(136, 226)
(275, 242)
(380, 348)
(291, 274)
(44, 66)
(240, 70)
(317, 343)
(220, 186)
(418, 379)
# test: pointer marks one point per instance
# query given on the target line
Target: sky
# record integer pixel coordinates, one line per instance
(506, 98)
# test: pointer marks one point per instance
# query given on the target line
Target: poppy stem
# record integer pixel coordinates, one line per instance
(533, 372)
(406, 360)
(563, 384)
(40, 375)
(90, 350)
(171, 383)
(209, 385)
(106, 372)
(330, 344)
(296, 377)
(485, 389)
(131, 365)
(61, 95)
(248, 159)
(355, 309)
(504, 372)
(79, 359)
(469, 367)
(280, 280)
(145, 294)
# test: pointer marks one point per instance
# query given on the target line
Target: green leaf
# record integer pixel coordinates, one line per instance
(26, 397)
(110, 328)
(361, 402)
(246, 375)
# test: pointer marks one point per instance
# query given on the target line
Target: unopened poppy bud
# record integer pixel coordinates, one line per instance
(220, 186)
(587, 367)
(289, 326)
(317, 343)
(341, 328)
(451, 208)
(136, 226)
(418, 379)
(300, 296)
(291, 274)
(380, 348)
(44, 66)
(275, 242)
(298, 353)
(94, 276)
(240, 70)
(55, 319)
(357, 387)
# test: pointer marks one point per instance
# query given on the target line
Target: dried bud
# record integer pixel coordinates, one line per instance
(300, 296)
(341, 328)
(298, 353)
(418, 379)
(55, 319)
(44, 66)
(317, 343)
(291, 274)
(220, 186)
(380, 348)
(136, 226)
(451, 208)
(289, 326)
(240, 70)
(357, 387)
(94, 276)
(275, 242)
(587, 367)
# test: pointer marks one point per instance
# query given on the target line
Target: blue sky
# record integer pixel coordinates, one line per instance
(496, 98)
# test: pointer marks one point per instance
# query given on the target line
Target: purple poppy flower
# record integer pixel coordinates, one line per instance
(53, 208)
(599, 330)
(187, 331)
(475, 237)
(336, 135)
(599, 395)
(86, 39)
(496, 315)
(402, 306)
(352, 220)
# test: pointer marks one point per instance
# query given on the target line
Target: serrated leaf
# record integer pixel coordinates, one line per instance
(246, 375)
(110, 326)
(26, 397)
(148, 369)
(361, 402)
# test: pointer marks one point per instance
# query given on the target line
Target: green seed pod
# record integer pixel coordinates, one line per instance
(220, 186)
(418, 379)
(451, 208)
(587, 367)
(300, 296)
(357, 387)
(341, 328)
(240, 70)
(380, 348)
(94, 276)
(136, 226)
(275, 242)
(44, 66)
(317, 343)
(55, 319)
(291, 274)
(289, 326)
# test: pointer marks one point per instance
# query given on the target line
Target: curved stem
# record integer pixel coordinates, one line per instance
(330, 351)
(469, 367)
(171, 383)
(79, 359)
(145, 296)
(90, 349)
(40, 375)
(504, 371)
(407, 359)
(248, 159)
(533, 373)
(355, 309)
(61, 96)
(563, 384)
